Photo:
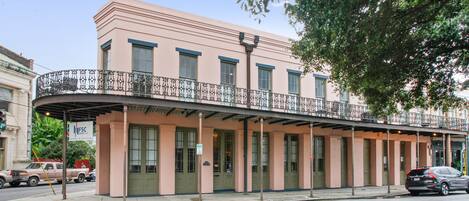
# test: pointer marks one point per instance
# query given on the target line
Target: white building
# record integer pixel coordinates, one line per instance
(16, 78)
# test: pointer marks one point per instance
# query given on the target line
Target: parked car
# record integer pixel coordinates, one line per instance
(436, 179)
(91, 176)
(5, 177)
(43, 171)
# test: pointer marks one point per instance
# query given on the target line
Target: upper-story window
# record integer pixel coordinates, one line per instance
(320, 87)
(142, 59)
(293, 100)
(188, 60)
(106, 48)
(294, 83)
(187, 66)
(142, 56)
(142, 67)
(6, 96)
(228, 79)
(106, 58)
(344, 96)
(265, 79)
(228, 73)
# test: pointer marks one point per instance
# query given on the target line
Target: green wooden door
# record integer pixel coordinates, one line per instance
(143, 152)
(257, 163)
(343, 162)
(223, 163)
(366, 162)
(402, 160)
(291, 162)
(385, 162)
(319, 162)
(186, 168)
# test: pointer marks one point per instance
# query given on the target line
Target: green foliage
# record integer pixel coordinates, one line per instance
(393, 53)
(76, 150)
(45, 131)
(47, 141)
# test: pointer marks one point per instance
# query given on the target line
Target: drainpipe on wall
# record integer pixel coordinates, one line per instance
(248, 48)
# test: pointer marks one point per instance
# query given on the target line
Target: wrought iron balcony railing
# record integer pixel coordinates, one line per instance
(88, 81)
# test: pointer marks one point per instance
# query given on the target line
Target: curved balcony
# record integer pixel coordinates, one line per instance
(107, 82)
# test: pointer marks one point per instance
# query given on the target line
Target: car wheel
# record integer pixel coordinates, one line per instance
(467, 189)
(33, 181)
(2, 183)
(14, 184)
(80, 179)
(444, 189)
(414, 193)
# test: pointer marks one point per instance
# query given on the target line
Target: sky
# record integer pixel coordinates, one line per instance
(61, 34)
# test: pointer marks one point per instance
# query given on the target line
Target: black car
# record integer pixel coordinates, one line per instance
(91, 176)
(436, 179)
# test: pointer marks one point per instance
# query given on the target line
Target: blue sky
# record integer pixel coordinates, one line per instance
(61, 34)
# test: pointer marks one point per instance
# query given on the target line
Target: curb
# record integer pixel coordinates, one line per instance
(380, 196)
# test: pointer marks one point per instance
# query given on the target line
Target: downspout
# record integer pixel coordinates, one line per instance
(248, 48)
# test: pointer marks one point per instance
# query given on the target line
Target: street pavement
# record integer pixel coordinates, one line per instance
(85, 191)
(43, 189)
(453, 196)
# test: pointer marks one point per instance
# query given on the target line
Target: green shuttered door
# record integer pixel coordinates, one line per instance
(186, 167)
(143, 161)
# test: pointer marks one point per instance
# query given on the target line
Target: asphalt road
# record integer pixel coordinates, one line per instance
(11, 193)
(453, 196)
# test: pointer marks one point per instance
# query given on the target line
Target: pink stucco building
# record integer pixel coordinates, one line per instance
(168, 80)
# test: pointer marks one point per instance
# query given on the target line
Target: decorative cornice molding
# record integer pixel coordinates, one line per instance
(178, 18)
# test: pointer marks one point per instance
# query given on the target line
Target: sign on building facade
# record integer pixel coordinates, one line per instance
(80, 130)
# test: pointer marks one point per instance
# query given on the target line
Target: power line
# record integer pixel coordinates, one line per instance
(44, 67)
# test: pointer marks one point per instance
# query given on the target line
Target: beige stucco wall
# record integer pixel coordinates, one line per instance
(18, 117)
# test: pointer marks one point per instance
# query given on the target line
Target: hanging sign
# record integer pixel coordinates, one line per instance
(80, 130)
(199, 149)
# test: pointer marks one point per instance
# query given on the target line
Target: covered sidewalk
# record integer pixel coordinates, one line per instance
(323, 194)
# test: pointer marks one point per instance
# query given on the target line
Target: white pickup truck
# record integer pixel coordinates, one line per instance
(43, 171)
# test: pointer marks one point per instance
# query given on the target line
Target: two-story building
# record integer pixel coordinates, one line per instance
(16, 77)
(172, 85)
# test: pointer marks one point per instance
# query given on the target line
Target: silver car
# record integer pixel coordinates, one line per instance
(5, 177)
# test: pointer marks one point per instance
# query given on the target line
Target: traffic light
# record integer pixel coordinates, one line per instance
(3, 120)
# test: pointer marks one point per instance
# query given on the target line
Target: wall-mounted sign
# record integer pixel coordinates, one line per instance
(80, 130)
(199, 149)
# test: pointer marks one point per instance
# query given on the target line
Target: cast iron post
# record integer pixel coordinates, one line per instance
(64, 157)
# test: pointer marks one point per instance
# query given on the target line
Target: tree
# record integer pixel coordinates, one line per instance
(47, 141)
(393, 53)
(45, 131)
(76, 150)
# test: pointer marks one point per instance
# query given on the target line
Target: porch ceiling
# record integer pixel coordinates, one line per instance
(83, 107)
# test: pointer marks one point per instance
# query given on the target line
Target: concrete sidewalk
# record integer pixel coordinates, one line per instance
(321, 194)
